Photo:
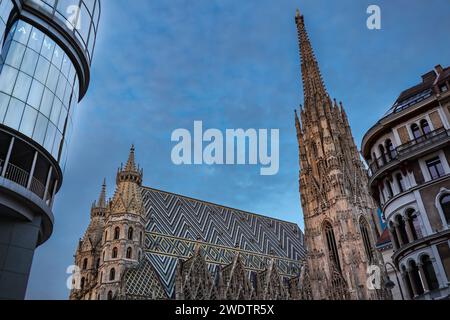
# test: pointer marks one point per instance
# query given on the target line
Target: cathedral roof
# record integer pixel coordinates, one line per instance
(384, 239)
(178, 225)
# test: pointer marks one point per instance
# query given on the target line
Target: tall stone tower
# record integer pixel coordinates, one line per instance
(124, 230)
(89, 252)
(336, 203)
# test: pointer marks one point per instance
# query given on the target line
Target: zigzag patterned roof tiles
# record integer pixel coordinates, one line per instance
(176, 224)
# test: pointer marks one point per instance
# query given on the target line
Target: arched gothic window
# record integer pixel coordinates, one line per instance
(139, 256)
(114, 253)
(129, 253)
(85, 263)
(331, 245)
(116, 233)
(83, 280)
(400, 183)
(110, 295)
(402, 230)
(382, 154)
(430, 274)
(97, 265)
(414, 271)
(394, 235)
(389, 190)
(390, 149)
(112, 274)
(414, 224)
(130, 233)
(425, 127)
(364, 227)
(416, 131)
(407, 283)
(445, 205)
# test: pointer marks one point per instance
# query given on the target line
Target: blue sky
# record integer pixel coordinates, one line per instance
(161, 65)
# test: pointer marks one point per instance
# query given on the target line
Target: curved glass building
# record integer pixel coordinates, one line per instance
(46, 53)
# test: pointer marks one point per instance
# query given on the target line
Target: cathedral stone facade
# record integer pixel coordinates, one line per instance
(337, 207)
(150, 244)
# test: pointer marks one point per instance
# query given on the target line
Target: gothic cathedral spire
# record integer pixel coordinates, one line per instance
(333, 186)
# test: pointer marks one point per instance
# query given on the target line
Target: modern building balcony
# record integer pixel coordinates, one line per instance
(23, 178)
(412, 149)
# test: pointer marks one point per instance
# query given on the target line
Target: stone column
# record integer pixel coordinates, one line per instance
(426, 285)
(409, 231)
(413, 282)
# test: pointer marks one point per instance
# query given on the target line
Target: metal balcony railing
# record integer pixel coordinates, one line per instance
(21, 177)
(425, 140)
(17, 175)
(406, 149)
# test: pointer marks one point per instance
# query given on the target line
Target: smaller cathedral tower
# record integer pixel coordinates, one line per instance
(88, 255)
(124, 230)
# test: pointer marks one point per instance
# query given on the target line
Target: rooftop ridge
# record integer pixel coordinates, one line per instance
(224, 206)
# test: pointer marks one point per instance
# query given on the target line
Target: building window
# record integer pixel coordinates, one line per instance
(415, 277)
(430, 275)
(116, 233)
(425, 127)
(444, 253)
(445, 205)
(114, 253)
(110, 295)
(140, 237)
(444, 88)
(97, 265)
(83, 280)
(394, 234)
(416, 131)
(129, 253)
(390, 149)
(403, 236)
(435, 168)
(414, 224)
(331, 245)
(130, 233)
(407, 283)
(139, 256)
(400, 183)
(106, 236)
(382, 155)
(85, 263)
(364, 227)
(112, 274)
(389, 190)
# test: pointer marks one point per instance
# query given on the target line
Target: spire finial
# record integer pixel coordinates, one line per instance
(313, 85)
(297, 13)
(131, 165)
(102, 198)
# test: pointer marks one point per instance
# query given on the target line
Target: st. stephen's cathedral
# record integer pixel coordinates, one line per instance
(148, 244)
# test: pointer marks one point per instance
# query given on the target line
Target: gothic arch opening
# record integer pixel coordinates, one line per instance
(330, 238)
(365, 233)
(403, 237)
(430, 274)
(116, 233)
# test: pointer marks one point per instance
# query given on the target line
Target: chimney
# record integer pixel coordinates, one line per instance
(438, 69)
